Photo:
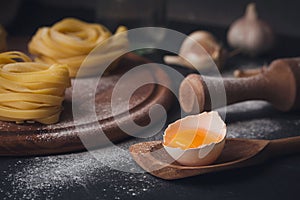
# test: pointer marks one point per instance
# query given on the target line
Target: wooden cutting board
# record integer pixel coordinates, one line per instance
(38, 139)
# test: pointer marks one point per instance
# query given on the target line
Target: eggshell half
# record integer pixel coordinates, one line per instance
(204, 154)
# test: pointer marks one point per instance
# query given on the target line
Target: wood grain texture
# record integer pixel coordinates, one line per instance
(38, 139)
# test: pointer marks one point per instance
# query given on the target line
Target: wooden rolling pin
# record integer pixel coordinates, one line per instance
(277, 84)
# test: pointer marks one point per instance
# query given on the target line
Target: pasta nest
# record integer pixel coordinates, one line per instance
(71, 40)
(29, 91)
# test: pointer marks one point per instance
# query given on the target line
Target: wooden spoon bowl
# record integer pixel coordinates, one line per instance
(237, 153)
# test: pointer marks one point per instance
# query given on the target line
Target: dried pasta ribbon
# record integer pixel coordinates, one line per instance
(13, 56)
(71, 40)
(31, 91)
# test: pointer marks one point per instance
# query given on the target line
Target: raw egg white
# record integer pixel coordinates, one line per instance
(196, 139)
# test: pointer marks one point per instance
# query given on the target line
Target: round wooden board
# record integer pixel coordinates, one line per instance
(38, 139)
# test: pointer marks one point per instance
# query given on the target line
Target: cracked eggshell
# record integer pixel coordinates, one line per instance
(204, 154)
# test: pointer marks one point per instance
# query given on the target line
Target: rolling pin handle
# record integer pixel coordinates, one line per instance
(276, 84)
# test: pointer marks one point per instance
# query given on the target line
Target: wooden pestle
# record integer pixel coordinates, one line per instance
(278, 84)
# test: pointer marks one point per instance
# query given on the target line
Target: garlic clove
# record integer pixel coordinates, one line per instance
(195, 57)
(176, 60)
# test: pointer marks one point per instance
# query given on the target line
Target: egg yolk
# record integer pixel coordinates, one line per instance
(187, 139)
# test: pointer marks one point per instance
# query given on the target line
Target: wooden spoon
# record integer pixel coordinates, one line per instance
(277, 84)
(237, 153)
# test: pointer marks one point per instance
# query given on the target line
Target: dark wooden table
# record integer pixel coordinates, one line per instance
(81, 176)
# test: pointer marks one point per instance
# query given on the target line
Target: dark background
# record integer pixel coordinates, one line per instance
(80, 176)
(23, 17)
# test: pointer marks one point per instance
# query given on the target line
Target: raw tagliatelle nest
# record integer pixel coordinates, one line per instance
(70, 41)
(29, 91)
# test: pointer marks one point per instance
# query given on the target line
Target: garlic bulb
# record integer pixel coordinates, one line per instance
(2, 38)
(191, 56)
(250, 34)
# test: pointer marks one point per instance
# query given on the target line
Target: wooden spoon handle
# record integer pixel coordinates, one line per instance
(285, 146)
